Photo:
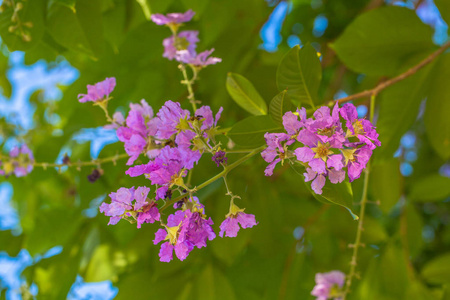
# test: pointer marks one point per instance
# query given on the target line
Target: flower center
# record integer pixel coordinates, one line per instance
(358, 127)
(322, 151)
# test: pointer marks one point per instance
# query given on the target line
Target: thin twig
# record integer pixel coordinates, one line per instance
(78, 164)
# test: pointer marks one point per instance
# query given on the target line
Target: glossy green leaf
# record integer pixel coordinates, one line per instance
(413, 229)
(300, 73)
(386, 183)
(437, 270)
(431, 188)
(444, 9)
(245, 95)
(339, 194)
(399, 107)
(378, 41)
(437, 120)
(250, 131)
(81, 31)
(279, 105)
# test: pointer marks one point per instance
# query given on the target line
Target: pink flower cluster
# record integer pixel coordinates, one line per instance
(173, 141)
(182, 45)
(328, 147)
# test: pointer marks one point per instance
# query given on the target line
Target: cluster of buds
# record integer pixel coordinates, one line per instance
(19, 27)
(19, 162)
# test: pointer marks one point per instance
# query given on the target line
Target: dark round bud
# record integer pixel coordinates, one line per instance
(94, 176)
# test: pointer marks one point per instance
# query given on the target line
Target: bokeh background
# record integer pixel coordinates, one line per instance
(55, 245)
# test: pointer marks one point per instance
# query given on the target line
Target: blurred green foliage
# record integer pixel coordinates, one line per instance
(105, 38)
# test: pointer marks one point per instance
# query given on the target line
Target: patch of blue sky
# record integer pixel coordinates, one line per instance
(408, 140)
(340, 94)
(99, 138)
(92, 211)
(25, 80)
(9, 219)
(10, 270)
(406, 169)
(93, 291)
(320, 25)
(361, 110)
(271, 31)
(429, 14)
(294, 40)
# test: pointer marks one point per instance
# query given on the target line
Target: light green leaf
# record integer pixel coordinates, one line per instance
(437, 271)
(279, 105)
(81, 31)
(437, 121)
(245, 95)
(250, 131)
(300, 73)
(102, 265)
(431, 188)
(339, 194)
(378, 41)
(444, 9)
(145, 8)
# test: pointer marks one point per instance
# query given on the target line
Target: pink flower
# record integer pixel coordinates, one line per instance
(236, 217)
(99, 91)
(172, 18)
(328, 285)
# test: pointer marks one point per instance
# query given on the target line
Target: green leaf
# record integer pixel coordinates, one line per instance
(29, 25)
(378, 41)
(386, 183)
(444, 9)
(250, 131)
(279, 105)
(339, 194)
(102, 265)
(245, 95)
(437, 270)
(300, 73)
(81, 31)
(437, 121)
(399, 107)
(431, 188)
(212, 284)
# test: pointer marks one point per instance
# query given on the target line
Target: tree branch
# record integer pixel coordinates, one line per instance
(394, 80)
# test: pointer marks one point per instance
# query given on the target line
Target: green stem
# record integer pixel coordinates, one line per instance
(188, 82)
(357, 243)
(222, 174)
(79, 164)
(362, 212)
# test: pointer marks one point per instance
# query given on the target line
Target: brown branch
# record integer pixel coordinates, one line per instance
(387, 83)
